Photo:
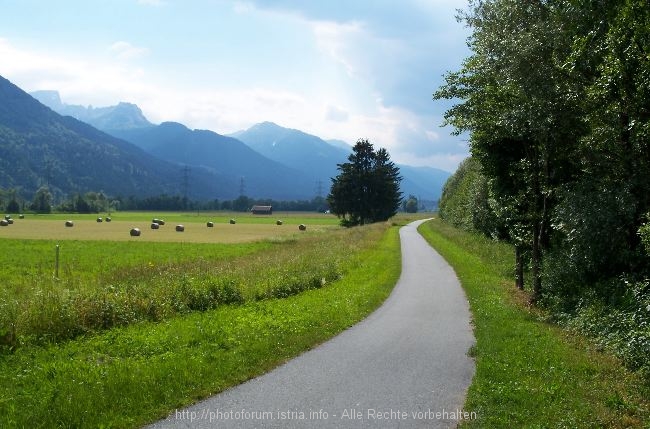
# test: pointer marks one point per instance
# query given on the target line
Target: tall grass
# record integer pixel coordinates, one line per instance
(158, 288)
(127, 376)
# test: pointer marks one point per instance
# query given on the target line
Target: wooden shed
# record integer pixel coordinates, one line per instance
(262, 210)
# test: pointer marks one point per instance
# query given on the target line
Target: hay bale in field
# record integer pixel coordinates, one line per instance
(210, 224)
(233, 221)
(302, 227)
(100, 220)
(108, 219)
(69, 223)
(278, 222)
(135, 232)
(4, 222)
(10, 221)
(154, 225)
(180, 228)
(21, 216)
(7, 217)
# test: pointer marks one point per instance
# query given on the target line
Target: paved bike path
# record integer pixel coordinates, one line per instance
(404, 366)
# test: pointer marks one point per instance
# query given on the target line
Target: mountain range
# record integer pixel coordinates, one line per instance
(117, 150)
(40, 147)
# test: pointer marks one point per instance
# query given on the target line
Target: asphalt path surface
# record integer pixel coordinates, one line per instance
(404, 366)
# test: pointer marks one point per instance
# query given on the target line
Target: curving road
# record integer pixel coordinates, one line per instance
(406, 365)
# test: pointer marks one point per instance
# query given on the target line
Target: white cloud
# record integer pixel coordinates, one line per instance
(334, 39)
(224, 108)
(126, 51)
(336, 114)
(80, 81)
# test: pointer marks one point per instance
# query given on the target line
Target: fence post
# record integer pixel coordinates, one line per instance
(56, 266)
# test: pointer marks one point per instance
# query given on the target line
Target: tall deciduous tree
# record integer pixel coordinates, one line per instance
(556, 97)
(520, 110)
(367, 187)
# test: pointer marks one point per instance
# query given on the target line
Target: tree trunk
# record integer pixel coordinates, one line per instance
(536, 264)
(537, 226)
(519, 268)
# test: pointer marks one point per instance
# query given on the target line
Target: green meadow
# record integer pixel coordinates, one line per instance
(131, 329)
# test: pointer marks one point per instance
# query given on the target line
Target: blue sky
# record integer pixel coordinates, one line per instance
(337, 69)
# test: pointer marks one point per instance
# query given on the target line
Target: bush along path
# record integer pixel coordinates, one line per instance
(530, 373)
(404, 366)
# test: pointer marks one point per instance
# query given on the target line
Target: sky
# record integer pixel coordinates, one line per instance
(338, 69)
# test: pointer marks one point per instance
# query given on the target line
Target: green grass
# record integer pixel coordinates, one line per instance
(30, 263)
(128, 376)
(152, 286)
(530, 373)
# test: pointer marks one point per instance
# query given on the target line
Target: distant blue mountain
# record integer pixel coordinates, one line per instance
(226, 156)
(273, 161)
(40, 147)
(315, 156)
(122, 116)
(295, 149)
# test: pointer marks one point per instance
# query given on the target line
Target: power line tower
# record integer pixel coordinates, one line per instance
(186, 184)
(319, 189)
(242, 187)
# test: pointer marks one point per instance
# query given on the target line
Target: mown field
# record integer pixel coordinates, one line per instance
(132, 329)
(248, 227)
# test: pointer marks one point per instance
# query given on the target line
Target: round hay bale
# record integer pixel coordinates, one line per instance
(210, 224)
(21, 216)
(7, 217)
(135, 232)
(161, 222)
(233, 221)
(278, 222)
(302, 227)
(180, 228)
(154, 225)
(10, 221)
(69, 223)
(4, 222)
(108, 219)
(155, 220)
(99, 220)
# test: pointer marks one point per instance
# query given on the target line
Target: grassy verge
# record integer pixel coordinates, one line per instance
(128, 376)
(156, 288)
(530, 373)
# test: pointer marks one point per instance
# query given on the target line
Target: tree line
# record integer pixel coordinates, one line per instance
(98, 202)
(555, 97)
